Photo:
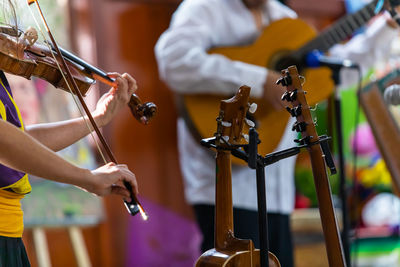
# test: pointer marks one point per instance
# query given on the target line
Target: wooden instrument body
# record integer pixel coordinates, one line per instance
(327, 213)
(229, 250)
(249, 257)
(22, 59)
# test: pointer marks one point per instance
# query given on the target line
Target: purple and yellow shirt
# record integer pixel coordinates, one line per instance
(13, 184)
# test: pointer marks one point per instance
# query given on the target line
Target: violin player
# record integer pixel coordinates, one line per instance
(187, 68)
(31, 150)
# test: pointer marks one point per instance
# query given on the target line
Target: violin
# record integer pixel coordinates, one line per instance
(22, 55)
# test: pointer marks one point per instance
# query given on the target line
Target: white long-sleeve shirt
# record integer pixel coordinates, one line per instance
(185, 66)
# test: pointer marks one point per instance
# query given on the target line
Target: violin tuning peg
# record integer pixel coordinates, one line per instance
(246, 137)
(250, 123)
(253, 108)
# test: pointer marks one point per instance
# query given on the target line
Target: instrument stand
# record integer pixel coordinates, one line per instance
(255, 161)
(342, 176)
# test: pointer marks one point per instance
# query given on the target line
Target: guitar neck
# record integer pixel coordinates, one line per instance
(223, 199)
(326, 209)
(310, 135)
(340, 30)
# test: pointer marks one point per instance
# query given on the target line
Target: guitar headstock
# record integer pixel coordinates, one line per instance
(231, 118)
(300, 110)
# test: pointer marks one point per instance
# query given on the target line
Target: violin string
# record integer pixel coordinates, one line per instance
(69, 88)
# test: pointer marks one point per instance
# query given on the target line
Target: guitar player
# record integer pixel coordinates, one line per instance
(187, 68)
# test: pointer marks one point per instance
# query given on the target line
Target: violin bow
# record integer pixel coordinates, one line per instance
(134, 205)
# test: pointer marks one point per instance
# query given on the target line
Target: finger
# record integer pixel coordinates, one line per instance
(122, 83)
(126, 174)
(106, 95)
(132, 84)
(123, 166)
(113, 74)
(121, 191)
(119, 79)
(111, 164)
(130, 178)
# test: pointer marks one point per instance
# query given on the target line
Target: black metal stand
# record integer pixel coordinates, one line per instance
(255, 161)
(342, 176)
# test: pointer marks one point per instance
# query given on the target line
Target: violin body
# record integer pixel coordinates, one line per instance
(35, 60)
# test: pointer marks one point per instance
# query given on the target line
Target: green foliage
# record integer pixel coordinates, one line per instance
(304, 182)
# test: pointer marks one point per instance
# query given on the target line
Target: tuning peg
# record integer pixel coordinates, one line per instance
(294, 112)
(253, 108)
(293, 95)
(303, 141)
(226, 123)
(289, 96)
(246, 137)
(285, 81)
(314, 108)
(299, 126)
(250, 123)
(302, 79)
(225, 138)
(286, 96)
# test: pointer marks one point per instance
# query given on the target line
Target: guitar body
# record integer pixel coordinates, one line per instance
(278, 40)
(214, 258)
(229, 250)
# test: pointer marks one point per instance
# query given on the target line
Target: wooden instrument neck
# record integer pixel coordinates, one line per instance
(223, 200)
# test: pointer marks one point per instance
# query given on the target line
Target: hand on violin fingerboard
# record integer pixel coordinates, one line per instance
(115, 99)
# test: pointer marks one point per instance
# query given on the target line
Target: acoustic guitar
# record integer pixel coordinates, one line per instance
(229, 250)
(310, 139)
(283, 43)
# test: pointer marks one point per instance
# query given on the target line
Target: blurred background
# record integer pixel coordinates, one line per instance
(119, 35)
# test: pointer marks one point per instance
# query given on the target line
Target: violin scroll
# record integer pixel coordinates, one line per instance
(143, 112)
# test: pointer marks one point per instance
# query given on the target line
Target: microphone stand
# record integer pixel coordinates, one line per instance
(342, 177)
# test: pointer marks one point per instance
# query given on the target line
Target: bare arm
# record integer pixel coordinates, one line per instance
(59, 135)
(21, 152)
